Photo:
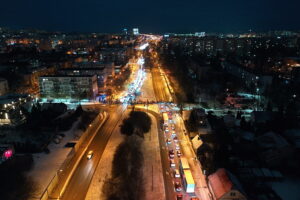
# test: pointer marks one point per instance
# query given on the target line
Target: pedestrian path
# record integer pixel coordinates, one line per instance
(153, 178)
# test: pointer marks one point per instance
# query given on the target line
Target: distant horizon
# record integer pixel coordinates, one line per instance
(157, 16)
(141, 32)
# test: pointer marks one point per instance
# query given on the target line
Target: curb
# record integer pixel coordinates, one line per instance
(80, 157)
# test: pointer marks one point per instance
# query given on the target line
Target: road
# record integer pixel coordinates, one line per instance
(82, 177)
(80, 181)
(160, 87)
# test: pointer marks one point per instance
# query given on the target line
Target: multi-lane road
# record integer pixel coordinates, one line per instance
(80, 181)
(160, 87)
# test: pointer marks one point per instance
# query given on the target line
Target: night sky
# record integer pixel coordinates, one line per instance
(155, 16)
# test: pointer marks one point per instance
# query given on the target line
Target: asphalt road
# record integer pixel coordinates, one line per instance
(80, 181)
(159, 86)
(161, 94)
(167, 171)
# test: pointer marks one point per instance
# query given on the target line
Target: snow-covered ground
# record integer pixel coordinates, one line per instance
(153, 173)
(100, 176)
(46, 165)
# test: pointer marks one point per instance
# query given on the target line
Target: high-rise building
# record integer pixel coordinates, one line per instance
(125, 31)
(200, 34)
(135, 31)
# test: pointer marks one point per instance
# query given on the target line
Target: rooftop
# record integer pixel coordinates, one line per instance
(222, 181)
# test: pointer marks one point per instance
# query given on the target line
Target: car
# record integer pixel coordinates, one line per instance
(90, 155)
(168, 141)
(167, 129)
(171, 153)
(178, 153)
(173, 134)
(177, 186)
(179, 196)
(175, 139)
(176, 173)
(172, 163)
(173, 127)
(177, 147)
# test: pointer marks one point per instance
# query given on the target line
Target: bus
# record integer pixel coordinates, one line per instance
(184, 164)
(186, 175)
(166, 119)
(188, 181)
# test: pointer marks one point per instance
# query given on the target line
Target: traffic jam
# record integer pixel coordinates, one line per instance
(183, 181)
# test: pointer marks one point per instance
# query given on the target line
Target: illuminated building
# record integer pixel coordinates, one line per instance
(135, 31)
(3, 86)
(101, 73)
(70, 87)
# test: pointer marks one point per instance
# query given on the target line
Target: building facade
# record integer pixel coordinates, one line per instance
(251, 79)
(99, 72)
(71, 87)
(3, 86)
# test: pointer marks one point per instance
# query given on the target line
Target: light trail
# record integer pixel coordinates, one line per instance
(136, 85)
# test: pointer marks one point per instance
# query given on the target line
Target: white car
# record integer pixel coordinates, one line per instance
(177, 147)
(172, 163)
(173, 134)
(90, 155)
(175, 139)
(176, 173)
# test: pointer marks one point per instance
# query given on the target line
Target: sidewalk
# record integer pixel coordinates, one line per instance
(153, 173)
(201, 189)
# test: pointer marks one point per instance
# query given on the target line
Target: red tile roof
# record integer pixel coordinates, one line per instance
(220, 183)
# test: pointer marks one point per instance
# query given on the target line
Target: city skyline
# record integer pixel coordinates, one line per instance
(154, 17)
(134, 100)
